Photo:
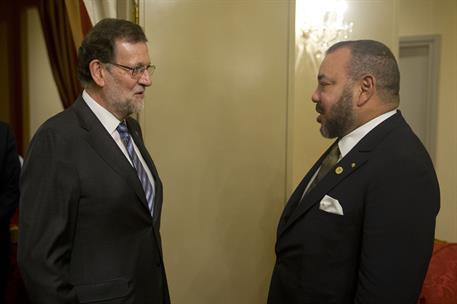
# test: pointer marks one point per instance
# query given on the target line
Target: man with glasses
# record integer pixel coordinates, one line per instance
(91, 196)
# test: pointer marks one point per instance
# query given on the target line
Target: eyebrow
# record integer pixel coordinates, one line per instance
(321, 77)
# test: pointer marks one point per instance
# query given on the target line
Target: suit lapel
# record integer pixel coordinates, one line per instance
(135, 132)
(298, 193)
(354, 160)
(102, 143)
(138, 139)
(349, 164)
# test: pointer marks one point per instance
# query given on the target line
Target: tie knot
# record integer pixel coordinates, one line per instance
(335, 153)
(122, 129)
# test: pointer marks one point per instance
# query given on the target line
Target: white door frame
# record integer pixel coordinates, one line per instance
(432, 43)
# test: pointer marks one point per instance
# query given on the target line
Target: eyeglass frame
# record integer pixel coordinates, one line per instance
(136, 72)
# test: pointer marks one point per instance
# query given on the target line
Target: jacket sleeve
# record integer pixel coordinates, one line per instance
(48, 209)
(9, 176)
(398, 231)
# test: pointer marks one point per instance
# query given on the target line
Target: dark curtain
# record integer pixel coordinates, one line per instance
(61, 49)
(86, 24)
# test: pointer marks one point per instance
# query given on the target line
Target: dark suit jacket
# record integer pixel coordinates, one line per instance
(86, 234)
(9, 175)
(378, 251)
(9, 196)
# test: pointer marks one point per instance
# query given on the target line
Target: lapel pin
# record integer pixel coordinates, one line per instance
(353, 165)
(339, 170)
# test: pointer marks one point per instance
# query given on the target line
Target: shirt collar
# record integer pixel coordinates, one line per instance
(108, 120)
(348, 142)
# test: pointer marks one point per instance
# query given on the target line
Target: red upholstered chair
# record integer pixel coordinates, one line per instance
(440, 285)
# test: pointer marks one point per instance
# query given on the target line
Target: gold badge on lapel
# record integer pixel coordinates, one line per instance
(339, 170)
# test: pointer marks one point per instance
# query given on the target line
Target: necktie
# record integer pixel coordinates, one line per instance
(329, 161)
(141, 172)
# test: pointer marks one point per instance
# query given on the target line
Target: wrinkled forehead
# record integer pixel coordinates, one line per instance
(131, 51)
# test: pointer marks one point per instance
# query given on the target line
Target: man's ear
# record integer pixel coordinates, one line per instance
(367, 89)
(97, 72)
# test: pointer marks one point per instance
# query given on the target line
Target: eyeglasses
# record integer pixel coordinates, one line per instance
(138, 71)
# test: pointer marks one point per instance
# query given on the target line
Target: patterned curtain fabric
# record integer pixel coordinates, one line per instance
(99, 9)
(61, 32)
(80, 23)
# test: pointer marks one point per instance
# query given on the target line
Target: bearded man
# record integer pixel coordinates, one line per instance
(91, 197)
(359, 228)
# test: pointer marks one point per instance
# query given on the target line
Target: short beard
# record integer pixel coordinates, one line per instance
(341, 117)
(128, 108)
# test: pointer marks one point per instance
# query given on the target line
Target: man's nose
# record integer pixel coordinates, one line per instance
(145, 79)
(315, 96)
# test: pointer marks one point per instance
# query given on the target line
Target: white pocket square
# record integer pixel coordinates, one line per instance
(331, 205)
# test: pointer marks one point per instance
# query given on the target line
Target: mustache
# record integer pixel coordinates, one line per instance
(319, 109)
(140, 89)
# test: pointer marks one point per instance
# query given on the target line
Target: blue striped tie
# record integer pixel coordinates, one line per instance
(142, 175)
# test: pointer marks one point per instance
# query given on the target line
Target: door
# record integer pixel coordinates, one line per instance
(419, 80)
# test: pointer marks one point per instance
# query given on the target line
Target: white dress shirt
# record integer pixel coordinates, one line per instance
(110, 122)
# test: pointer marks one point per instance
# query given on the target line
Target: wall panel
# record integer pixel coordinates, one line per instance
(215, 123)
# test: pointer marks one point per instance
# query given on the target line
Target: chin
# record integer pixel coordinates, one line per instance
(137, 106)
(325, 132)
